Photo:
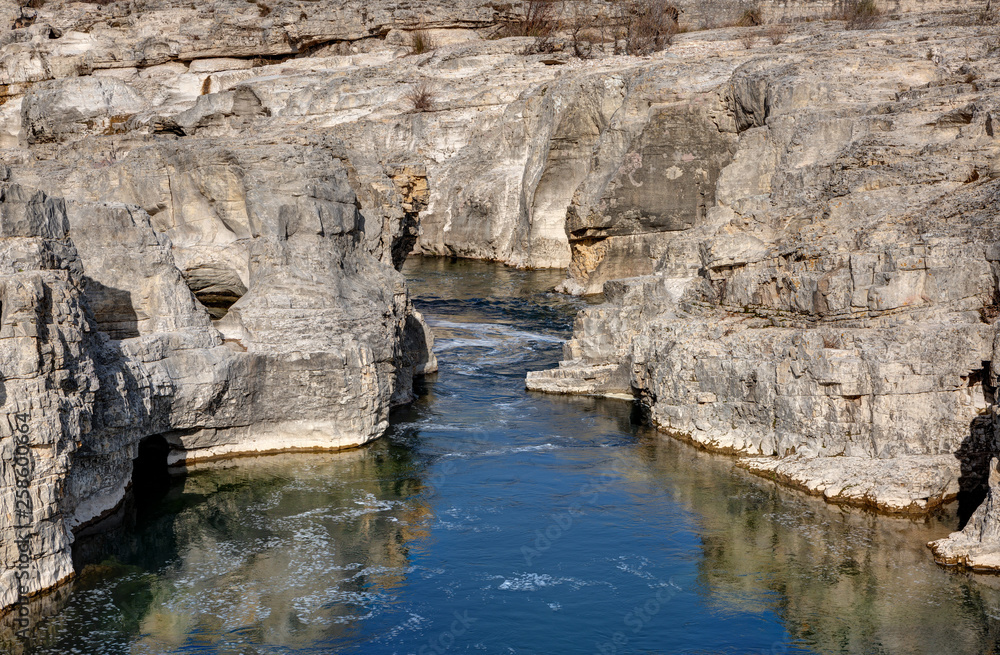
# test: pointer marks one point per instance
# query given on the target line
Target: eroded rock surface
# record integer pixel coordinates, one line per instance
(826, 301)
(322, 342)
(977, 545)
(168, 277)
(206, 204)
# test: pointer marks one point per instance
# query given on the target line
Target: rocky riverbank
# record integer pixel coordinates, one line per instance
(824, 306)
(205, 206)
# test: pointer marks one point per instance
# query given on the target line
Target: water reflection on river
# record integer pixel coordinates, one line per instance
(493, 520)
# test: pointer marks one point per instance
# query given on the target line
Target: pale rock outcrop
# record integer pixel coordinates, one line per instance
(119, 349)
(977, 545)
(764, 193)
(314, 338)
(54, 385)
(664, 180)
(55, 111)
(832, 311)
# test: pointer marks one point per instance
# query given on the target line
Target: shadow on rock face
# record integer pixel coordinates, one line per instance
(113, 309)
(975, 453)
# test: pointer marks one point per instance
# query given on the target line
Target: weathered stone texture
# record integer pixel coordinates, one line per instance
(977, 545)
(831, 312)
(205, 206)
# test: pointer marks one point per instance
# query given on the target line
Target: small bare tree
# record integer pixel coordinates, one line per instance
(582, 29)
(538, 20)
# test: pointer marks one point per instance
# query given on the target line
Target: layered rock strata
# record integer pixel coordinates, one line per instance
(107, 346)
(220, 295)
(205, 204)
(831, 311)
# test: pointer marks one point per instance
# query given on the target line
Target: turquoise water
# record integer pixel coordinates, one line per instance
(494, 520)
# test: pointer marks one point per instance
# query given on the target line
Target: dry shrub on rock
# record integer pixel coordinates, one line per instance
(649, 26)
(748, 38)
(730, 13)
(421, 42)
(752, 16)
(421, 98)
(859, 14)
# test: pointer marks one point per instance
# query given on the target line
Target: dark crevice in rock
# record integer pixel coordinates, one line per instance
(150, 476)
(410, 181)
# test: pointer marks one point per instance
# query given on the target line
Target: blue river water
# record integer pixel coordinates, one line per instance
(494, 520)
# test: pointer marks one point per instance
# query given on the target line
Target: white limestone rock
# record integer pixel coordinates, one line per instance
(977, 545)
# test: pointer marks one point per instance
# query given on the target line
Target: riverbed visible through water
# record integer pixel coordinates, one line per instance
(494, 520)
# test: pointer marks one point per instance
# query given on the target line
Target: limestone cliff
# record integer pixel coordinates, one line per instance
(205, 204)
(218, 291)
(107, 345)
(824, 297)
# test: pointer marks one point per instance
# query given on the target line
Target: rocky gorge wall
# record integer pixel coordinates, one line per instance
(221, 294)
(205, 207)
(827, 308)
(312, 355)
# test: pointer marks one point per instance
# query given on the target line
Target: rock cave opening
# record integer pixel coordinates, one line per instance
(978, 447)
(217, 287)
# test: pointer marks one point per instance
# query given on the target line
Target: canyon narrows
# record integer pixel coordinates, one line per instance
(486, 508)
(205, 209)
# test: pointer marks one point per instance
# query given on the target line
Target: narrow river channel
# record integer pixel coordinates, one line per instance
(493, 520)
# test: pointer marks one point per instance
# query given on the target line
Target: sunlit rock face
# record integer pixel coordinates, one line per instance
(242, 180)
(312, 355)
(250, 312)
(831, 311)
(664, 182)
(49, 387)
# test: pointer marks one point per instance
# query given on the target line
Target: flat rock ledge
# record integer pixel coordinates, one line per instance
(977, 546)
(608, 380)
(909, 485)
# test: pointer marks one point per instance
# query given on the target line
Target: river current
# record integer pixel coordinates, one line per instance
(494, 520)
